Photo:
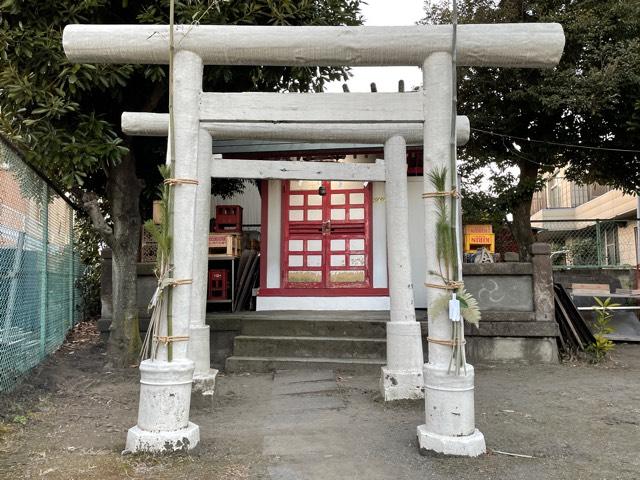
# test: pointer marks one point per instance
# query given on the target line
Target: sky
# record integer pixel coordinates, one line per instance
(393, 12)
(385, 12)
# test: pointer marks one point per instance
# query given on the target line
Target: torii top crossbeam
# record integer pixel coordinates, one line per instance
(501, 45)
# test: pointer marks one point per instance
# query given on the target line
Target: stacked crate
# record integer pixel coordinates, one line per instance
(225, 243)
(228, 219)
(218, 285)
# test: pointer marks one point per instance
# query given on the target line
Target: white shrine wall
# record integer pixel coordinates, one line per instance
(249, 200)
(416, 240)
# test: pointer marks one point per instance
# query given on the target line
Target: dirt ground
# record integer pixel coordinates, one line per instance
(69, 419)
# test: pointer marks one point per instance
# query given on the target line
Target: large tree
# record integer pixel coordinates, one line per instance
(592, 98)
(67, 116)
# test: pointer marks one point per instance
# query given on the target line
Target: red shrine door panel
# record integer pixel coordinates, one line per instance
(326, 234)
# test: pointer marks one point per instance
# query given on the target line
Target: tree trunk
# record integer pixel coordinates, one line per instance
(521, 208)
(521, 227)
(123, 192)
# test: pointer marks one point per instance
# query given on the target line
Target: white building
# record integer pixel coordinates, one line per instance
(604, 218)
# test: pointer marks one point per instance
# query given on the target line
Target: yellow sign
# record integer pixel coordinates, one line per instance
(469, 229)
(473, 241)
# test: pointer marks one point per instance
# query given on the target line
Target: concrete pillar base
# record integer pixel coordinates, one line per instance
(450, 416)
(204, 377)
(163, 412)
(205, 383)
(199, 349)
(466, 446)
(401, 384)
(139, 440)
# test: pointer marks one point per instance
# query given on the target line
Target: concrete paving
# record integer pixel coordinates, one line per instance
(300, 426)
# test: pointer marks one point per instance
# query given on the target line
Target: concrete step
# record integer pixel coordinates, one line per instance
(305, 327)
(237, 364)
(306, 347)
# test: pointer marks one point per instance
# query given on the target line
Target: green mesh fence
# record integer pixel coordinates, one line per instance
(596, 243)
(39, 302)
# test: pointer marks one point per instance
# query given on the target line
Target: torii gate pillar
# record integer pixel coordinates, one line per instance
(402, 376)
(199, 351)
(165, 386)
(449, 399)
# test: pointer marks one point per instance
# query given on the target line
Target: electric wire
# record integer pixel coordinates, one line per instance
(556, 144)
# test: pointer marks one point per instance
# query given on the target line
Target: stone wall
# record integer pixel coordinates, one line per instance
(147, 283)
(517, 305)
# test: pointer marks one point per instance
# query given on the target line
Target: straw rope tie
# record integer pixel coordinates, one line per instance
(180, 181)
(449, 285)
(451, 193)
(446, 343)
(165, 340)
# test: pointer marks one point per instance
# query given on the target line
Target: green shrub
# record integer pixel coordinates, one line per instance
(599, 349)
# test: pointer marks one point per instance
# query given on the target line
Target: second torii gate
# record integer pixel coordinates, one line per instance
(165, 386)
(319, 118)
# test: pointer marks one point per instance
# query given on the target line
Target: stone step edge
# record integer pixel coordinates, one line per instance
(218, 318)
(307, 338)
(315, 320)
(367, 361)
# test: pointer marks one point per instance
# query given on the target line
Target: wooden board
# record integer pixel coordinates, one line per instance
(591, 287)
(627, 291)
(574, 332)
(224, 245)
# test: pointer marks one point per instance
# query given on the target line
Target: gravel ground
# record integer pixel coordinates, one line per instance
(68, 420)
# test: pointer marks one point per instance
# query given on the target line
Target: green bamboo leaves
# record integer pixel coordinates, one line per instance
(447, 255)
(445, 247)
(161, 300)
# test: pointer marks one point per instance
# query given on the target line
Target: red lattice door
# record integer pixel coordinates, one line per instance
(326, 238)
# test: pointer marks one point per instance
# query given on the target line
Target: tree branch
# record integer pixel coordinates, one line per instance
(90, 205)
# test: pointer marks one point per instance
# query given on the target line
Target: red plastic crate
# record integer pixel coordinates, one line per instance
(218, 286)
(228, 218)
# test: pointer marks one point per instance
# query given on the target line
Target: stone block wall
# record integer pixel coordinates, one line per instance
(147, 283)
(517, 305)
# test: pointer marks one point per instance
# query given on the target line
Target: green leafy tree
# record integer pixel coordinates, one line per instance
(592, 98)
(67, 116)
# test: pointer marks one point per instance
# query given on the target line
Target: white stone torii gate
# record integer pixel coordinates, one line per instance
(324, 114)
(166, 386)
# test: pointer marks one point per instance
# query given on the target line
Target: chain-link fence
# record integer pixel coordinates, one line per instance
(39, 302)
(590, 243)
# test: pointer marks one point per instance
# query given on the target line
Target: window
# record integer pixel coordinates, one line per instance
(611, 246)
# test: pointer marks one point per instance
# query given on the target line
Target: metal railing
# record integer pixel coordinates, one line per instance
(39, 301)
